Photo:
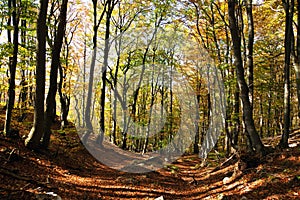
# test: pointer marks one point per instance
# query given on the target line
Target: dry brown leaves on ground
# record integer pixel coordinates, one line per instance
(68, 170)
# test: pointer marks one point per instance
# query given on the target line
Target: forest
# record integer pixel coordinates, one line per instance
(134, 99)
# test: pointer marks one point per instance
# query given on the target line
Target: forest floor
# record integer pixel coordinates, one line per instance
(67, 169)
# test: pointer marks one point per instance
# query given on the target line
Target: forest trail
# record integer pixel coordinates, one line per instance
(67, 169)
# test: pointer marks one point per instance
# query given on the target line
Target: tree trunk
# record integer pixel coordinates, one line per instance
(87, 113)
(250, 50)
(289, 12)
(297, 65)
(111, 5)
(37, 131)
(12, 70)
(297, 71)
(237, 123)
(197, 134)
(64, 99)
(256, 142)
(9, 22)
(55, 62)
(136, 93)
(64, 96)
(23, 84)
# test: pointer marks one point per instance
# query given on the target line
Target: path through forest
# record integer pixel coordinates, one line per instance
(68, 170)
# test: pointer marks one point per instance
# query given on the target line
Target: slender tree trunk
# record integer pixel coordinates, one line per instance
(12, 70)
(84, 79)
(9, 22)
(297, 71)
(87, 113)
(55, 62)
(37, 131)
(250, 49)
(237, 123)
(111, 4)
(261, 116)
(115, 80)
(256, 142)
(23, 83)
(136, 93)
(269, 126)
(197, 134)
(297, 57)
(289, 12)
(154, 90)
(64, 98)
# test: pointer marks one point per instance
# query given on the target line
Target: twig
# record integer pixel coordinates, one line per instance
(12, 153)
(226, 161)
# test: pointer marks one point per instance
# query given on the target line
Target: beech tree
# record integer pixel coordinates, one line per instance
(250, 50)
(37, 131)
(289, 12)
(251, 45)
(87, 113)
(12, 66)
(255, 141)
(110, 7)
(296, 56)
(55, 63)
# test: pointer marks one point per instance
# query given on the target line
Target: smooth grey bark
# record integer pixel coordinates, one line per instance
(87, 112)
(110, 7)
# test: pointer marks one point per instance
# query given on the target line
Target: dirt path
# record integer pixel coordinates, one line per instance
(68, 170)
